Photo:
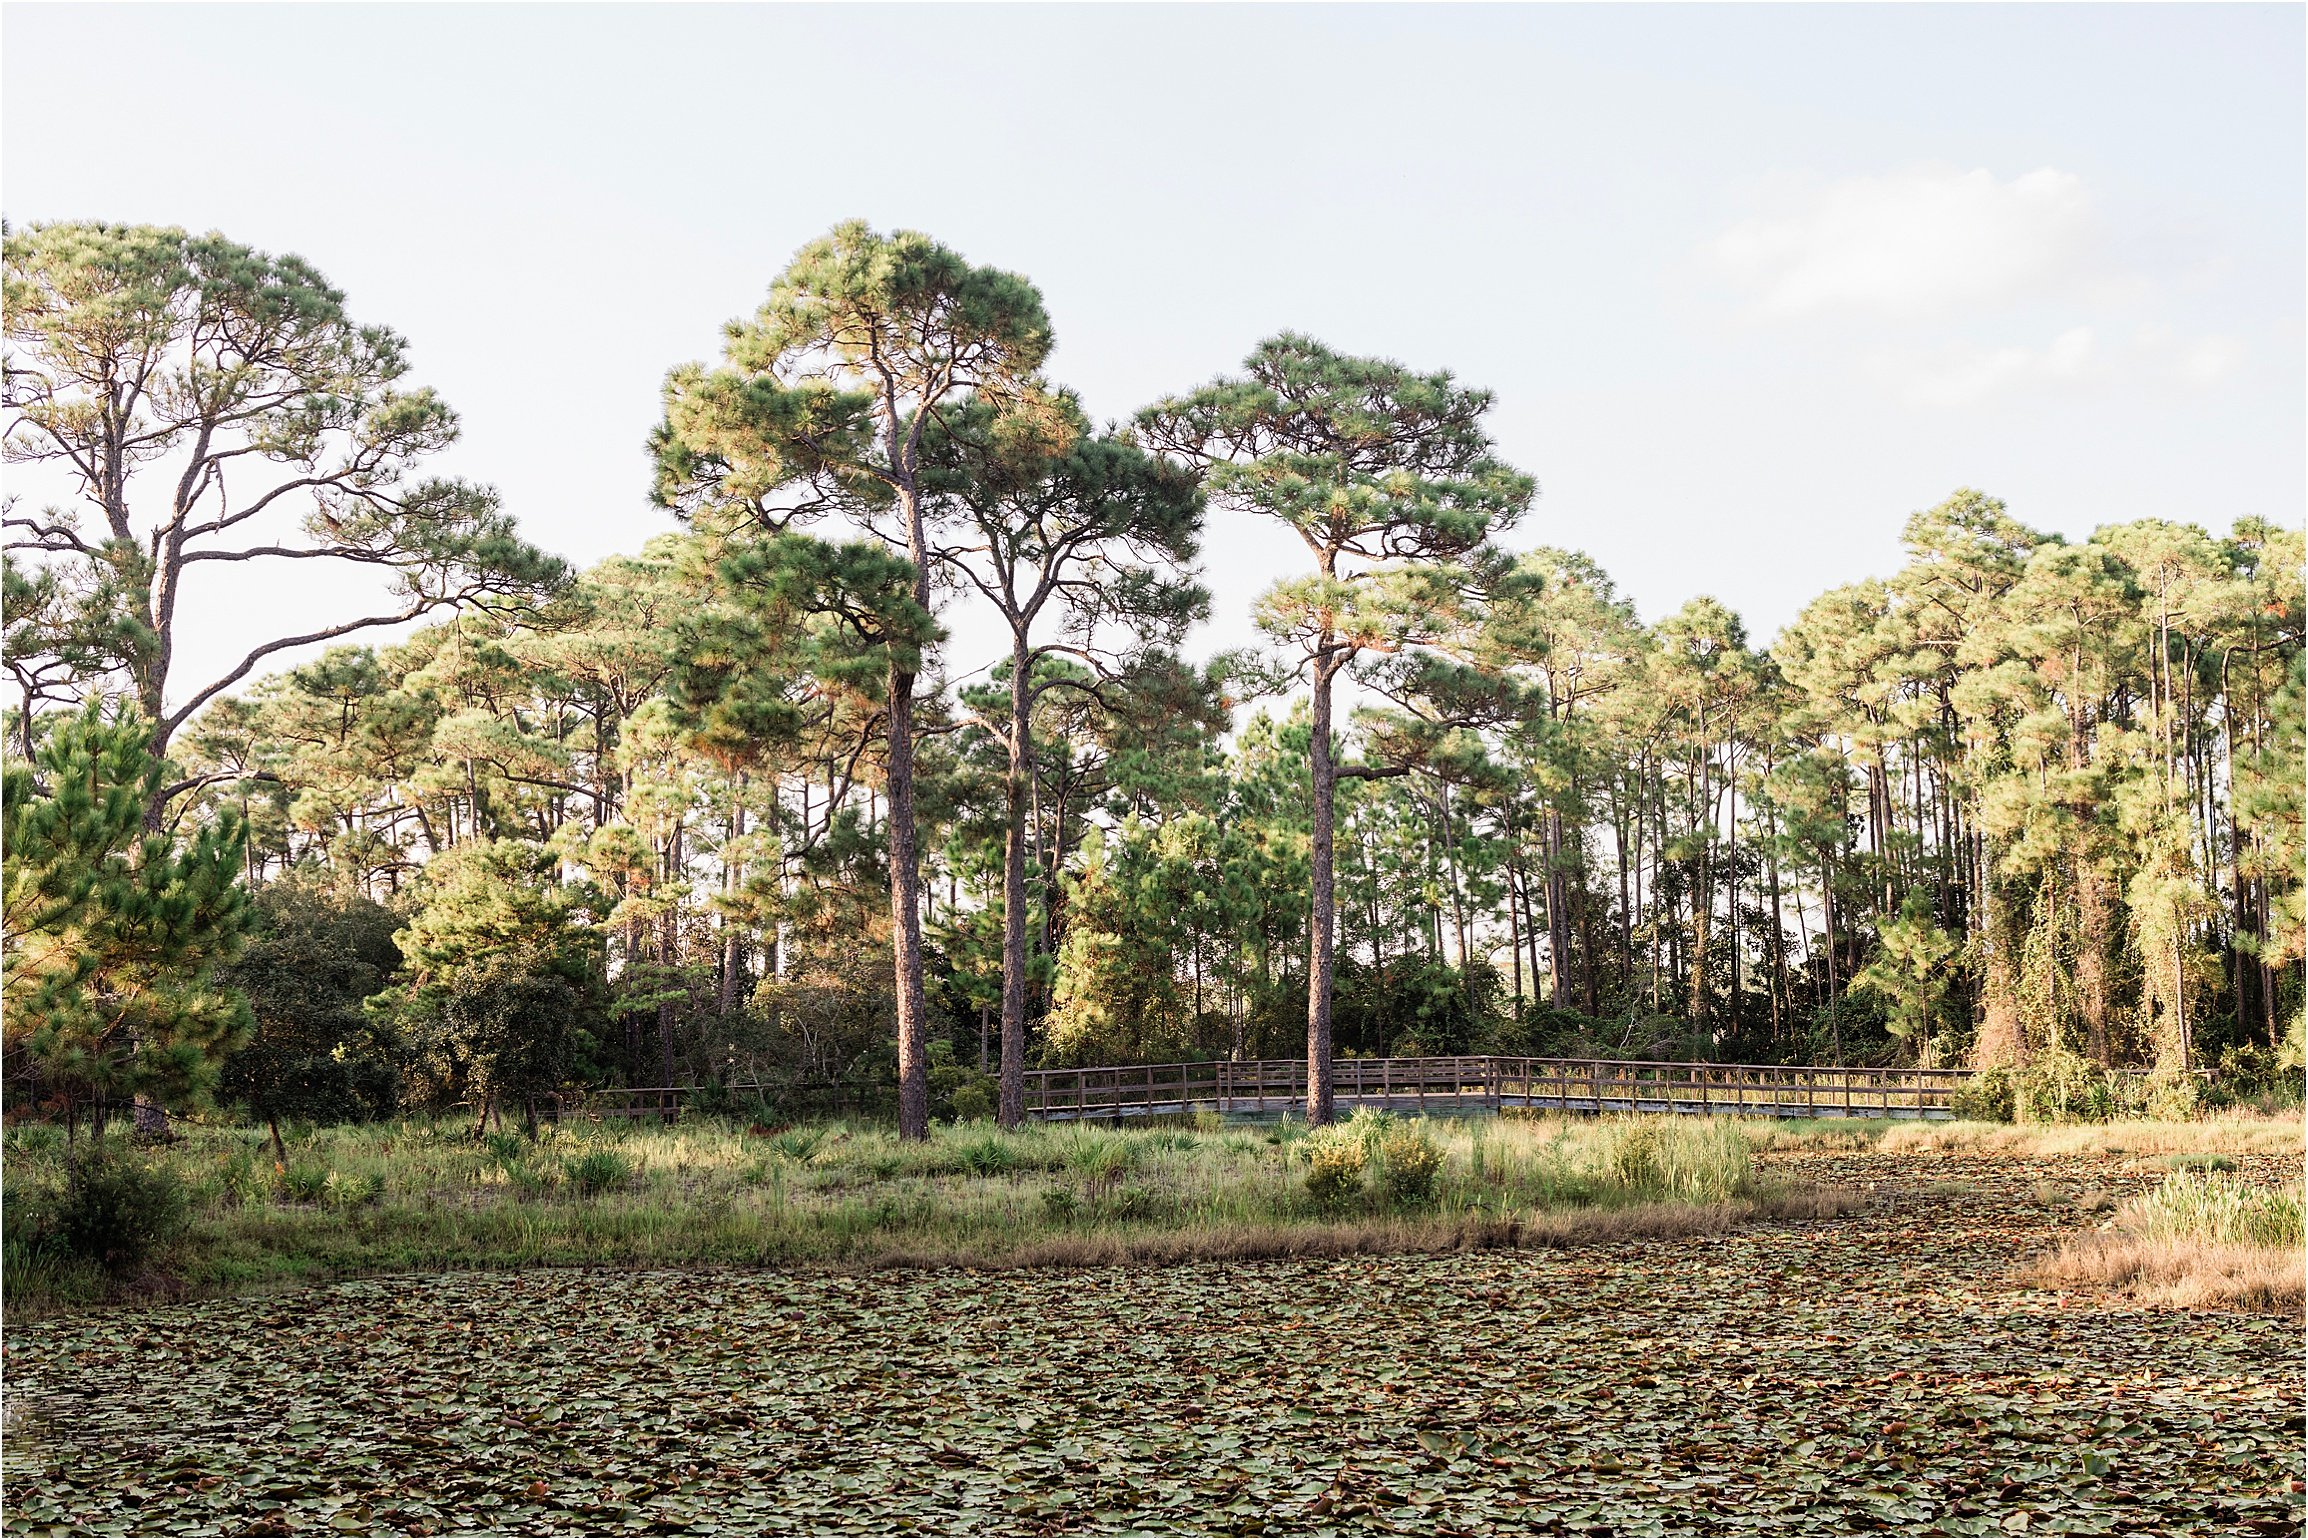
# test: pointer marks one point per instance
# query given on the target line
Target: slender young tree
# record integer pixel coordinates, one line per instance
(1388, 477)
(1079, 541)
(866, 343)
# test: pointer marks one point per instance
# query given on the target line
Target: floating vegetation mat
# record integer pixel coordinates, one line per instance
(1875, 1372)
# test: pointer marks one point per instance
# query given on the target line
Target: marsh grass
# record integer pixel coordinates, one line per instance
(2216, 1136)
(2191, 1273)
(420, 1195)
(2202, 1238)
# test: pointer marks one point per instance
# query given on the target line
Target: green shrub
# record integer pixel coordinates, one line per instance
(1335, 1159)
(2172, 1097)
(304, 1182)
(1409, 1163)
(2215, 1206)
(974, 1100)
(596, 1171)
(1987, 1097)
(1371, 1125)
(1059, 1205)
(115, 1210)
(527, 1180)
(796, 1144)
(1133, 1202)
(2200, 1162)
(2270, 1079)
(343, 1189)
(2059, 1086)
(986, 1155)
(243, 1178)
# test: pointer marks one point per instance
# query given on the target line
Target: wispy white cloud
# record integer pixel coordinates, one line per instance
(1967, 374)
(1910, 243)
(1961, 376)
(1944, 283)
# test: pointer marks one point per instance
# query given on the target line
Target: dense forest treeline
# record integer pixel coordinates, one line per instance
(734, 810)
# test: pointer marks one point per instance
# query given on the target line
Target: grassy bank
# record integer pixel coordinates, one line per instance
(2203, 1237)
(426, 1196)
(2230, 1135)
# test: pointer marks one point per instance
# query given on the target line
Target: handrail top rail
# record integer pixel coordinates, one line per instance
(1517, 1059)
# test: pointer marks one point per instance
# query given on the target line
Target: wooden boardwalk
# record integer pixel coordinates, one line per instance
(1492, 1083)
(1469, 1083)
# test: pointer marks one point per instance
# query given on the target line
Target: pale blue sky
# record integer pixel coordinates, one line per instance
(1750, 283)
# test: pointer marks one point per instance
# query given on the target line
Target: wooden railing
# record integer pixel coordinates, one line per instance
(1465, 1082)
(1493, 1083)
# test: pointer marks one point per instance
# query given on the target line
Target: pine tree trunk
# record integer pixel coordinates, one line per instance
(1558, 913)
(1013, 1089)
(906, 916)
(1319, 962)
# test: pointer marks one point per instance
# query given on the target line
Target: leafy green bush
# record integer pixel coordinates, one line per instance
(1059, 1204)
(1987, 1097)
(2172, 1097)
(304, 1182)
(987, 1154)
(796, 1144)
(1335, 1160)
(1409, 1162)
(973, 1100)
(2214, 1206)
(115, 1211)
(597, 1171)
(2254, 1075)
(2059, 1086)
(344, 1189)
(1133, 1202)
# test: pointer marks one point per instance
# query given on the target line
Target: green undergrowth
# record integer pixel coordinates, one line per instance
(420, 1196)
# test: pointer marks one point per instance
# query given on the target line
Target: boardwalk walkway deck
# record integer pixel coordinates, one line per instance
(1491, 1083)
(1469, 1083)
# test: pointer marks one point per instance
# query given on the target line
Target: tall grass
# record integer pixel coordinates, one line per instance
(2201, 1238)
(417, 1195)
(2214, 1206)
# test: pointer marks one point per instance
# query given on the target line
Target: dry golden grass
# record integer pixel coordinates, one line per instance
(1377, 1237)
(2208, 1136)
(2180, 1270)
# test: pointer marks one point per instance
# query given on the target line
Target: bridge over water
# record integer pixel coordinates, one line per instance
(1466, 1083)
(1493, 1083)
